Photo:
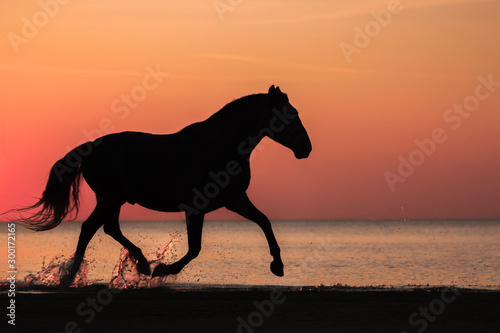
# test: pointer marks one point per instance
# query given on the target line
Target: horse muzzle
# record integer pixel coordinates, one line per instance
(303, 148)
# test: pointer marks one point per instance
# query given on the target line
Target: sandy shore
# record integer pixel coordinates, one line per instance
(280, 309)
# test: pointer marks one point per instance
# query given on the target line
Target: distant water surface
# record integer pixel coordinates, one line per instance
(354, 253)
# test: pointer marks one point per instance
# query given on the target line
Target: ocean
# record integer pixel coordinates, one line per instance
(399, 254)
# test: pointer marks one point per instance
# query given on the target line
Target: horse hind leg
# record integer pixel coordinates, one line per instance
(112, 228)
(89, 228)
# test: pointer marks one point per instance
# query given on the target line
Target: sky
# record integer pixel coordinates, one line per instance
(400, 98)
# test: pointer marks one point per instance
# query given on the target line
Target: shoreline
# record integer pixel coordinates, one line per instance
(23, 287)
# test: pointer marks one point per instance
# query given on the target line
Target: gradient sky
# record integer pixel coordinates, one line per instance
(60, 81)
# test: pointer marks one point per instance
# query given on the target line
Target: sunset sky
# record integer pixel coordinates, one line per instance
(369, 78)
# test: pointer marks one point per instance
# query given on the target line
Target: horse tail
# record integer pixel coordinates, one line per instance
(61, 194)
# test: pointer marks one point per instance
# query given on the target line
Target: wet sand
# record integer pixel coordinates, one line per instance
(260, 309)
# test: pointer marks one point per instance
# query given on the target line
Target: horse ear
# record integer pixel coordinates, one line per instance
(278, 90)
(272, 90)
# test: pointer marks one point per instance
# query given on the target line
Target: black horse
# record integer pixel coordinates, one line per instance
(199, 169)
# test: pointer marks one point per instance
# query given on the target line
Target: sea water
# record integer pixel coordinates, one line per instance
(315, 253)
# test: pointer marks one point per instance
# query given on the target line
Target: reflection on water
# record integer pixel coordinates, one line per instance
(363, 253)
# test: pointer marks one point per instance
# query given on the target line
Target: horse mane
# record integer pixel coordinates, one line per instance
(240, 114)
(241, 110)
(240, 107)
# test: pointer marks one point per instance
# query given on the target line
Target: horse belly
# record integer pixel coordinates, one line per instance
(162, 190)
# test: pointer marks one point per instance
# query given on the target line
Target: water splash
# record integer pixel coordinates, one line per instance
(55, 271)
(126, 276)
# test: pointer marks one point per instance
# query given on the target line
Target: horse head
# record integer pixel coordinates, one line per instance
(284, 124)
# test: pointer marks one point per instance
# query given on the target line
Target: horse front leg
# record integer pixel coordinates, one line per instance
(194, 231)
(244, 207)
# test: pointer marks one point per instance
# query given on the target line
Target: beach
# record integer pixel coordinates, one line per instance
(259, 309)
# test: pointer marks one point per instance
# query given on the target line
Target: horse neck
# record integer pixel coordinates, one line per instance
(235, 127)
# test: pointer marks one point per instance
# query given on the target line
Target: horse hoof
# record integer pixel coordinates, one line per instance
(66, 281)
(160, 270)
(143, 268)
(277, 268)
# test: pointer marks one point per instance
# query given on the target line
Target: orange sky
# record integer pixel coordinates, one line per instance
(64, 66)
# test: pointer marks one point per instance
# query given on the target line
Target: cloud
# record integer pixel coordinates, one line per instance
(68, 70)
(333, 10)
(330, 69)
(226, 57)
(302, 66)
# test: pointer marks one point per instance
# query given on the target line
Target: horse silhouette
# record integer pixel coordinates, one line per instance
(199, 169)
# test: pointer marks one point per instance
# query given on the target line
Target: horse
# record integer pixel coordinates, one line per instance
(201, 168)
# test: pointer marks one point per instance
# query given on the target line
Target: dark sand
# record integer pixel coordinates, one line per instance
(335, 309)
